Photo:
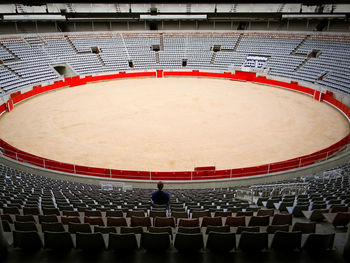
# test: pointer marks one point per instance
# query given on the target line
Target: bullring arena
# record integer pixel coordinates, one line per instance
(172, 124)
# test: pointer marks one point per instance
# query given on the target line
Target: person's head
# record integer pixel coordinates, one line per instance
(160, 185)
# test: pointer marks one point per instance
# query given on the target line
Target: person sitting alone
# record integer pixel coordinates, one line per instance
(159, 197)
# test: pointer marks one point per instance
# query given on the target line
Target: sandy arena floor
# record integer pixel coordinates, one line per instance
(172, 124)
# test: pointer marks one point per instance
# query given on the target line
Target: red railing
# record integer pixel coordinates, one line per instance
(198, 174)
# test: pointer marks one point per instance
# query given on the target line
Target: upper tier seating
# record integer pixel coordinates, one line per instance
(29, 59)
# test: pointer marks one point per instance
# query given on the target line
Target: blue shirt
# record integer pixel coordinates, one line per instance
(160, 198)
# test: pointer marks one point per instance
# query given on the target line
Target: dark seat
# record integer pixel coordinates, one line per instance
(211, 221)
(259, 221)
(94, 221)
(189, 230)
(73, 228)
(164, 221)
(58, 240)
(221, 242)
(156, 213)
(90, 241)
(140, 221)
(240, 229)
(25, 218)
(235, 221)
(188, 242)
(6, 226)
(27, 240)
(52, 227)
(282, 219)
(115, 213)
(70, 219)
(31, 211)
(135, 229)
(122, 242)
(219, 229)
(286, 240)
(104, 229)
(48, 219)
(251, 242)
(200, 213)
(93, 213)
(318, 243)
(51, 211)
(116, 221)
(189, 222)
(273, 228)
(265, 212)
(305, 228)
(25, 226)
(155, 241)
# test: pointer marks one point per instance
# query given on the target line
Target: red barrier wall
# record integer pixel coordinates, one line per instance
(200, 173)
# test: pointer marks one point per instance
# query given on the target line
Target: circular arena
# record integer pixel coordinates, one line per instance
(172, 124)
(238, 113)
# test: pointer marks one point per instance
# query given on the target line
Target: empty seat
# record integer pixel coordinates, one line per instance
(90, 241)
(211, 221)
(25, 218)
(200, 213)
(162, 229)
(25, 226)
(265, 212)
(189, 230)
(188, 242)
(51, 211)
(140, 221)
(155, 241)
(188, 222)
(48, 219)
(221, 242)
(104, 229)
(122, 242)
(31, 211)
(53, 227)
(94, 220)
(27, 240)
(298, 210)
(286, 240)
(117, 213)
(222, 213)
(273, 228)
(217, 229)
(235, 221)
(156, 213)
(116, 221)
(317, 243)
(58, 240)
(252, 242)
(246, 213)
(339, 208)
(315, 215)
(135, 213)
(135, 229)
(70, 213)
(305, 228)
(241, 229)
(93, 213)
(73, 228)
(164, 221)
(12, 210)
(179, 214)
(338, 219)
(70, 219)
(282, 219)
(259, 221)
